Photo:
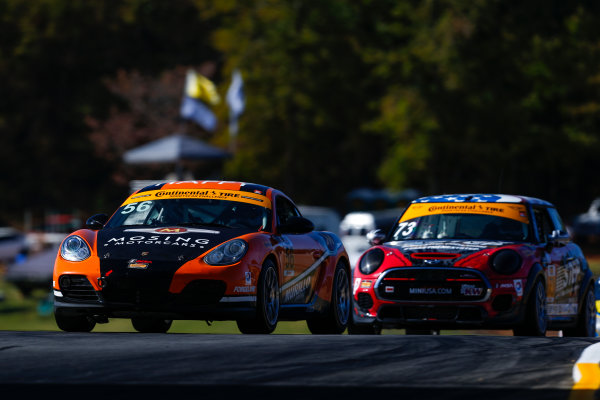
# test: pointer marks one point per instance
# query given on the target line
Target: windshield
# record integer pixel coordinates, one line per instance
(192, 212)
(472, 222)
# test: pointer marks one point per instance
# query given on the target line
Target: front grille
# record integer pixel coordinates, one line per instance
(432, 284)
(365, 301)
(136, 291)
(77, 287)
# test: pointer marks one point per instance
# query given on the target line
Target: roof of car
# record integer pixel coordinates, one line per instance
(482, 198)
(224, 185)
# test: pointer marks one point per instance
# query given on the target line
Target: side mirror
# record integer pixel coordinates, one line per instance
(297, 225)
(96, 222)
(556, 238)
(375, 237)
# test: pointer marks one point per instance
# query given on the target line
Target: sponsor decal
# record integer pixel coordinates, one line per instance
(366, 284)
(504, 285)
(157, 240)
(172, 230)
(518, 286)
(470, 290)
(140, 196)
(289, 272)
(430, 290)
(562, 309)
(512, 211)
(138, 264)
(248, 276)
(212, 194)
(244, 289)
(389, 289)
(297, 290)
(551, 270)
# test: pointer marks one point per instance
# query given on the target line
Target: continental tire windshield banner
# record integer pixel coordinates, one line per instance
(212, 194)
(517, 212)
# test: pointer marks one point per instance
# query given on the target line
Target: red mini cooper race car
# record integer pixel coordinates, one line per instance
(472, 261)
(202, 250)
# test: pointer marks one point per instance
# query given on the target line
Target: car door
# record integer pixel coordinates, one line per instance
(299, 254)
(570, 276)
(553, 260)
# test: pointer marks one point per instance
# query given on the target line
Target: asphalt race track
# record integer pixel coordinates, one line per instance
(61, 365)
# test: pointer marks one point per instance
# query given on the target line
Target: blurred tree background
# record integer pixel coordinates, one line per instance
(438, 95)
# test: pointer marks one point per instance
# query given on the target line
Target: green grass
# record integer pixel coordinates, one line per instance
(34, 313)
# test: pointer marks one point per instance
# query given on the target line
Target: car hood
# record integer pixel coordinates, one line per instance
(173, 243)
(441, 252)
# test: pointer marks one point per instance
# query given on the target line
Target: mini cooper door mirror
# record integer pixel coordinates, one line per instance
(375, 237)
(97, 221)
(556, 238)
(297, 225)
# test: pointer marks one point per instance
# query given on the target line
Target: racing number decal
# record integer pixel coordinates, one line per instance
(288, 268)
(406, 228)
(288, 253)
(141, 207)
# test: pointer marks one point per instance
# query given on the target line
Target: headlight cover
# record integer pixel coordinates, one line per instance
(74, 248)
(227, 253)
(505, 262)
(371, 261)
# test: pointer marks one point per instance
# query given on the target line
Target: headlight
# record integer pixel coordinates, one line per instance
(371, 261)
(74, 248)
(227, 253)
(505, 262)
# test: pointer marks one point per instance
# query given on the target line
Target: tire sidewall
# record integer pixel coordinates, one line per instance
(589, 314)
(540, 321)
(339, 300)
(263, 300)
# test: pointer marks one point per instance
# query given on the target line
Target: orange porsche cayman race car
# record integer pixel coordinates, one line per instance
(209, 250)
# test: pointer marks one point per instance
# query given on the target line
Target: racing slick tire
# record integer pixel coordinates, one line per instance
(267, 303)
(422, 331)
(79, 323)
(536, 319)
(335, 320)
(586, 321)
(151, 325)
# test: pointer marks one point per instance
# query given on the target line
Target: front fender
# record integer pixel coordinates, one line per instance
(537, 271)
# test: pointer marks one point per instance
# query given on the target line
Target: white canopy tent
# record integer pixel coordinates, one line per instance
(174, 148)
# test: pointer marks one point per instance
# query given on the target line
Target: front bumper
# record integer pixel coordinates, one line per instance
(437, 298)
(437, 316)
(200, 299)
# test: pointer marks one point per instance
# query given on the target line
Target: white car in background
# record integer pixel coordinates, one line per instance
(355, 226)
(12, 243)
(323, 218)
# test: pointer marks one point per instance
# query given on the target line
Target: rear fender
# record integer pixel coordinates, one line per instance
(586, 283)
